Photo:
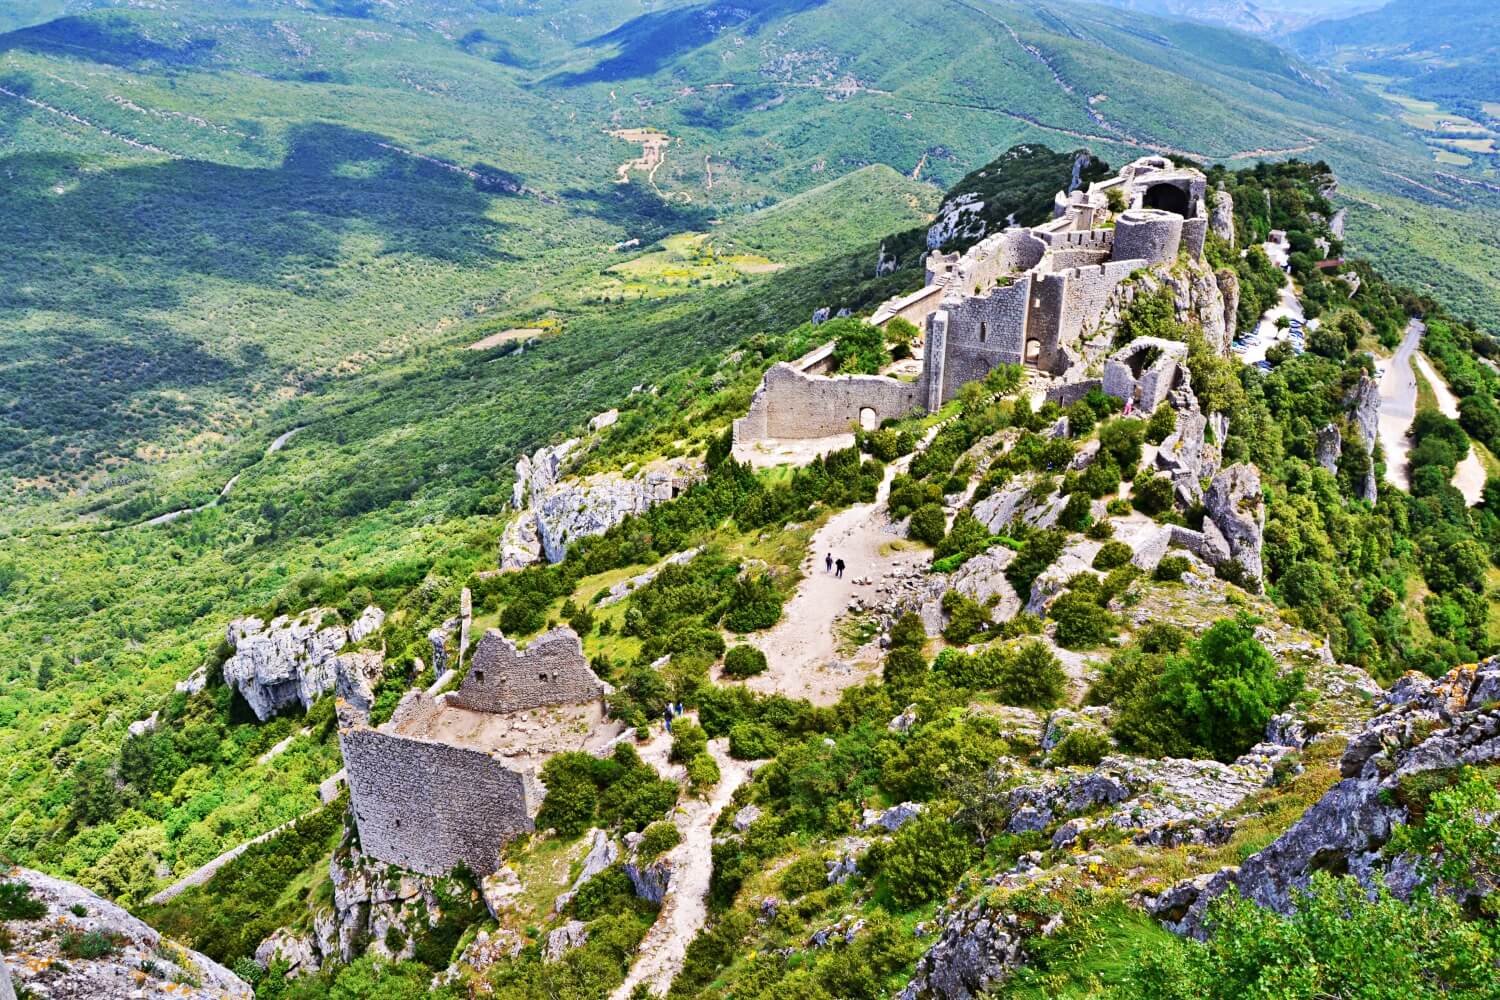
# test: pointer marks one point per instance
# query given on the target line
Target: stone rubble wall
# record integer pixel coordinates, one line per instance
(427, 806)
(791, 405)
(552, 670)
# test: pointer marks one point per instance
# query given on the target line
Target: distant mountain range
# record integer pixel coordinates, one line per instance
(1276, 18)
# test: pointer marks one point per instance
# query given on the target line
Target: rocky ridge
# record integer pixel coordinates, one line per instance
(45, 960)
(1424, 726)
(296, 660)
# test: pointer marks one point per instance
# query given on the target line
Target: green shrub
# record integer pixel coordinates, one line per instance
(1112, 554)
(744, 661)
(1076, 514)
(889, 443)
(657, 839)
(1171, 568)
(928, 524)
(703, 772)
(572, 797)
(16, 902)
(803, 876)
(1100, 531)
(753, 741)
(1153, 494)
(1032, 676)
(924, 860)
(1081, 622)
(1082, 747)
(966, 618)
(688, 741)
(754, 604)
(607, 892)
(1038, 551)
(87, 944)
(1162, 423)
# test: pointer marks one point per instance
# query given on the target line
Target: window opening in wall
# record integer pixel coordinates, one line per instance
(984, 333)
(479, 676)
(541, 677)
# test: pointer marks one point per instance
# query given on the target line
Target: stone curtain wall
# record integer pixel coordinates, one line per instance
(428, 806)
(551, 671)
(790, 405)
(982, 332)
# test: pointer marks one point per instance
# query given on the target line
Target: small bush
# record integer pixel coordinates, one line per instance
(1161, 425)
(755, 604)
(966, 618)
(1100, 531)
(608, 892)
(703, 772)
(924, 860)
(1081, 748)
(803, 876)
(928, 524)
(688, 741)
(1171, 568)
(744, 661)
(16, 902)
(657, 839)
(87, 945)
(752, 741)
(1032, 676)
(1153, 494)
(1111, 555)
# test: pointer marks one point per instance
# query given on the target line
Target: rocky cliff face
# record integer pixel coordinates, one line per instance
(370, 900)
(297, 660)
(1236, 519)
(1364, 410)
(44, 960)
(1424, 726)
(554, 511)
(1199, 297)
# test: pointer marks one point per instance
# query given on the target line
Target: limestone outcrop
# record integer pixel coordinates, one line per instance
(1425, 726)
(1198, 297)
(295, 661)
(1236, 519)
(1364, 409)
(1329, 447)
(1221, 216)
(977, 948)
(142, 963)
(554, 511)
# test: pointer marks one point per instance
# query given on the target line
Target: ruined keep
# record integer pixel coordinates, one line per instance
(452, 778)
(1029, 297)
(551, 671)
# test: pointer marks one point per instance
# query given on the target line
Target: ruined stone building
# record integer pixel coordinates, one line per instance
(452, 778)
(1029, 297)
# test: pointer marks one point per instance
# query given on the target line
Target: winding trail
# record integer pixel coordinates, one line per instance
(801, 649)
(685, 909)
(1469, 477)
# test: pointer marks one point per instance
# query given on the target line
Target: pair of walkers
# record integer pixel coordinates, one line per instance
(835, 566)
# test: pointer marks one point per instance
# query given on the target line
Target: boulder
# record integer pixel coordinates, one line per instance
(651, 881)
(976, 950)
(891, 819)
(1095, 719)
(501, 890)
(298, 951)
(603, 852)
(295, 660)
(983, 579)
(1221, 216)
(564, 939)
(903, 722)
(142, 962)
(745, 818)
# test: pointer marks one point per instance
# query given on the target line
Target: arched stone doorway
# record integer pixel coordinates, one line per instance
(867, 419)
(1033, 352)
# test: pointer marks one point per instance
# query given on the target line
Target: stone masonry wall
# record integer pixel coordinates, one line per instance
(551, 671)
(427, 806)
(982, 332)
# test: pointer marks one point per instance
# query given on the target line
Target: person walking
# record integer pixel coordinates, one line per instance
(839, 565)
(828, 562)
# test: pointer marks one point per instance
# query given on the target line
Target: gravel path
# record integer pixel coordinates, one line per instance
(685, 908)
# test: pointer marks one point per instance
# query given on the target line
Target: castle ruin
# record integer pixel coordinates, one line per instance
(453, 778)
(1030, 297)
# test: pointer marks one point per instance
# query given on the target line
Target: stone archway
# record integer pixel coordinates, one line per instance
(1033, 352)
(1168, 198)
(868, 421)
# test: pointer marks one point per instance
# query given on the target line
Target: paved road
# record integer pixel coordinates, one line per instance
(1398, 404)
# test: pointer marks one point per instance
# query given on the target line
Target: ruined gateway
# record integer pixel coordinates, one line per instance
(1020, 297)
(452, 778)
